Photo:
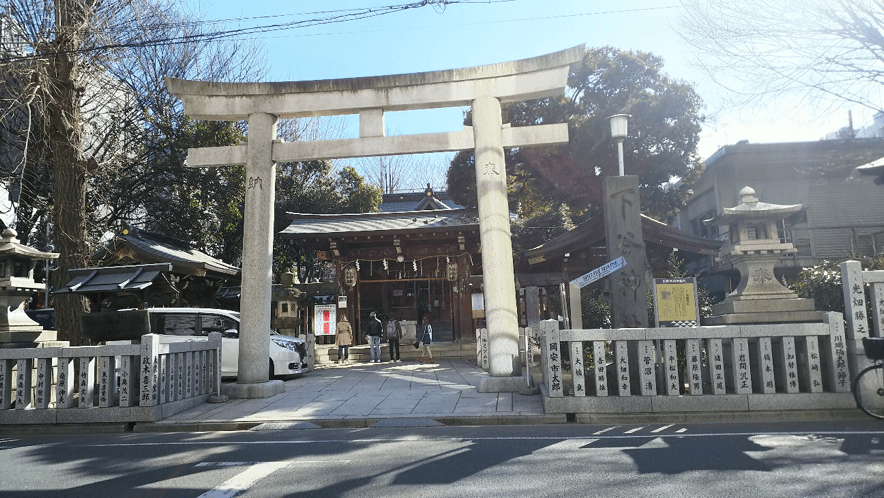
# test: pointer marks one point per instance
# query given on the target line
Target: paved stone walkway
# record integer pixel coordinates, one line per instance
(368, 392)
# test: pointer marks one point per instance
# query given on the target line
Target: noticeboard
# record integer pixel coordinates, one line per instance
(324, 319)
(676, 303)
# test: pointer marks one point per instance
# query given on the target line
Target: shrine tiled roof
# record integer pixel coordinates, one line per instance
(417, 201)
(592, 232)
(139, 246)
(116, 279)
(356, 224)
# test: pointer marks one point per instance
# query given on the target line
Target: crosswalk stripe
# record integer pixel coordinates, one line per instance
(244, 480)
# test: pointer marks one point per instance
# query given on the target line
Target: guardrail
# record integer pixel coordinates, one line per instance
(120, 383)
(721, 368)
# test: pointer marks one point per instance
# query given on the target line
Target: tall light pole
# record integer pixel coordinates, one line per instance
(618, 133)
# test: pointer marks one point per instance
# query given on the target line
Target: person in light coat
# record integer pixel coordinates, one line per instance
(343, 339)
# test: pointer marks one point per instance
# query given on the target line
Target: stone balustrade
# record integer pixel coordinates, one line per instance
(117, 383)
(727, 368)
(864, 318)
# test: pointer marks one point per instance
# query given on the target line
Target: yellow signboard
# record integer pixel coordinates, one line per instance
(675, 302)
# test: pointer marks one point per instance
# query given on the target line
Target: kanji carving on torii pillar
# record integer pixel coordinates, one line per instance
(483, 88)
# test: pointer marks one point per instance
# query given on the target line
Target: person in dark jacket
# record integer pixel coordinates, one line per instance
(373, 331)
(394, 333)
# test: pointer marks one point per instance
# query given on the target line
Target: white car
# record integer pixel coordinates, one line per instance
(288, 355)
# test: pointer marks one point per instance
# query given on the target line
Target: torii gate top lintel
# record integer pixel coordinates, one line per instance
(512, 81)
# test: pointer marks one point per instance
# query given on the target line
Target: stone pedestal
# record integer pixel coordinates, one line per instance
(250, 391)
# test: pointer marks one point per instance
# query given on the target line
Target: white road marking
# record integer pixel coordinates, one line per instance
(603, 431)
(290, 462)
(679, 434)
(661, 429)
(244, 480)
(633, 431)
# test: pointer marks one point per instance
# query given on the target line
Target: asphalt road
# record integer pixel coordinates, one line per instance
(696, 460)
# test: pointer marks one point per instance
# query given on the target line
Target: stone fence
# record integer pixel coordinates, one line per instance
(854, 282)
(121, 383)
(732, 368)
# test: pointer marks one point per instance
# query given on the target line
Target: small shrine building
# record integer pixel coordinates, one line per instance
(404, 265)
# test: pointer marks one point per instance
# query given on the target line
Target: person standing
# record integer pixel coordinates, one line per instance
(426, 339)
(343, 339)
(374, 329)
(394, 333)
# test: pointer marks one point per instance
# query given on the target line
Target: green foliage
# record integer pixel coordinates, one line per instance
(595, 309)
(531, 232)
(662, 142)
(161, 194)
(822, 282)
(314, 187)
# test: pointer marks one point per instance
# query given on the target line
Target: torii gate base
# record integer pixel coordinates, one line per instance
(483, 87)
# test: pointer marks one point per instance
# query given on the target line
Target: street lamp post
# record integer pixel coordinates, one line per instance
(618, 133)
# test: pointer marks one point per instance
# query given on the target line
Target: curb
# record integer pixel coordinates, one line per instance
(351, 423)
(448, 421)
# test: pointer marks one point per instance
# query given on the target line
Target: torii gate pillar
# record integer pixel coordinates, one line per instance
(253, 380)
(494, 232)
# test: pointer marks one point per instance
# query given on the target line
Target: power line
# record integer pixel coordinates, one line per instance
(499, 21)
(161, 28)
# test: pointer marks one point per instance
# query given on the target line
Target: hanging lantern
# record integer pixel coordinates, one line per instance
(350, 276)
(452, 271)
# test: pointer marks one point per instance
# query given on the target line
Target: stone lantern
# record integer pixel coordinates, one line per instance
(754, 248)
(17, 284)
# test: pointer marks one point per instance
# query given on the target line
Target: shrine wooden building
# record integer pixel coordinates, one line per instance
(403, 265)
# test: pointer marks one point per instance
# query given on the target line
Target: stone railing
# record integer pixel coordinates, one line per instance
(120, 383)
(853, 282)
(703, 369)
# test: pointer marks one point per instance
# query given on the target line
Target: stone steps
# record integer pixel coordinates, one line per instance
(325, 353)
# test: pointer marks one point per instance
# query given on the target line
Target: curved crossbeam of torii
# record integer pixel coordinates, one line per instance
(483, 88)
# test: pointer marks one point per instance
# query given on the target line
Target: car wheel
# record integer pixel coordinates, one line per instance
(271, 375)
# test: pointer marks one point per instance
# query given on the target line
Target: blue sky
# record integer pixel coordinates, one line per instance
(482, 32)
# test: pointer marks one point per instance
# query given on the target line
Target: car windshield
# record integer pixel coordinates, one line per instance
(272, 331)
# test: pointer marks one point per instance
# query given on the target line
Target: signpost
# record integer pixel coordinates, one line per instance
(600, 272)
(676, 303)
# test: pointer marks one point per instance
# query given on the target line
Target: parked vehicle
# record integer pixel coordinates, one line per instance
(288, 355)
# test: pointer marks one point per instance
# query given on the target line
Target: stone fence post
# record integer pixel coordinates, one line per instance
(853, 280)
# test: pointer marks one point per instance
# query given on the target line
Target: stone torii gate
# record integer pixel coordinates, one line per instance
(483, 88)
